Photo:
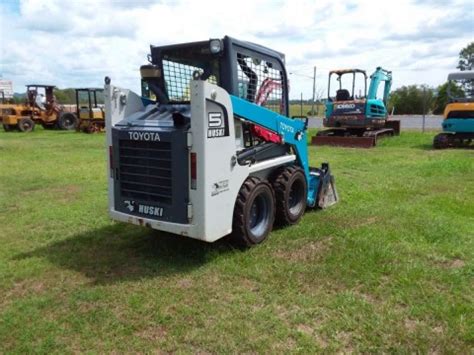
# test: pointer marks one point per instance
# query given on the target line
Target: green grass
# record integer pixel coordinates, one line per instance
(295, 109)
(388, 269)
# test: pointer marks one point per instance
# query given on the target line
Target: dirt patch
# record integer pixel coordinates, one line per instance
(184, 283)
(24, 288)
(456, 264)
(410, 325)
(306, 329)
(452, 264)
(313, 250)
(153, 333)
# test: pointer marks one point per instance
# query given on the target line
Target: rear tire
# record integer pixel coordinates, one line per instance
(26, 124)
(254, 212)
(67, 121)
(291, 193)
(9, 127)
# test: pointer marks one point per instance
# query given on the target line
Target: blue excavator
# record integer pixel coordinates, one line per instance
(357, 120)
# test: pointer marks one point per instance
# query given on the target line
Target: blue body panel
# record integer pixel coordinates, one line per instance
(292, 132)
(458, 125)
(375, 108)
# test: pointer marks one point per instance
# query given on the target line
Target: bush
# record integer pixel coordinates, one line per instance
(411, 99)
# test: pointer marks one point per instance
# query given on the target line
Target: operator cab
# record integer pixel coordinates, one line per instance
(246, 70)
(243, 69)
(460, 95)
(346, 85)
(40, 96)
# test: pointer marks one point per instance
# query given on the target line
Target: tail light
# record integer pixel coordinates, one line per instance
(193, 171)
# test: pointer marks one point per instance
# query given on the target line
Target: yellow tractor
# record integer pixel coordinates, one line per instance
(40, 107)
(90, 110)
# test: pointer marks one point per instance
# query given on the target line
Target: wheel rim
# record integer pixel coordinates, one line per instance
(26, 126)
(259, 215)
(296, 196)
(68, 121)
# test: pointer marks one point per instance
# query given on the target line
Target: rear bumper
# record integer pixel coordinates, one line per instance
(186, 230)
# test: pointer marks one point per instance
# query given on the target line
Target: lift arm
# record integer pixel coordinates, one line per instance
(376, 78)
(291, 131)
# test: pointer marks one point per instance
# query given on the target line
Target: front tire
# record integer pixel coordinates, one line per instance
(67, 121)
(26, 124)
(291, 192)
(254, 212)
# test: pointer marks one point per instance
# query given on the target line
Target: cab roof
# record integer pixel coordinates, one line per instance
(40, 86)
(345, 71)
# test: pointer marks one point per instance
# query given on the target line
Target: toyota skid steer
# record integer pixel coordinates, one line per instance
(208, 150)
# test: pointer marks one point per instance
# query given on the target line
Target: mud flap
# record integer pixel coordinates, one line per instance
(326, 193)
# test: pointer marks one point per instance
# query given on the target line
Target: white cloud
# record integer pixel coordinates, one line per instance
(76, 43)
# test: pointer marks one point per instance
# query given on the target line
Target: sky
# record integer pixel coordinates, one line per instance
(77, 43)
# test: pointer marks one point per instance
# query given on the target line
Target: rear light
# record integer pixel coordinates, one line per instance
(193, 171)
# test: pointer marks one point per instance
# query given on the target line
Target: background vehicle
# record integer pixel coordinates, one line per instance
(357, 120)
(40, 107)
(90, 110)
(458, 124)
(215, 153)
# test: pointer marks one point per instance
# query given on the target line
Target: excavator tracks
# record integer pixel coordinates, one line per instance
(344, 138)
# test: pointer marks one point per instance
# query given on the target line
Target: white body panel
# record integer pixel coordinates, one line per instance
(219, 176)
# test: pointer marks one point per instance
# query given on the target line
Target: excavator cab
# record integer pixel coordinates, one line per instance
(343, 105)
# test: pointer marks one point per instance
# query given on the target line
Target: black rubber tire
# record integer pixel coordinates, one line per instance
(67, 121)
(9, 127)
(26, 124)
(291, 191)
(254, 212)
(441, 141)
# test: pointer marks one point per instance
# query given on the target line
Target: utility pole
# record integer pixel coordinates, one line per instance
(424, 109)
(301, 105)
(314, 91)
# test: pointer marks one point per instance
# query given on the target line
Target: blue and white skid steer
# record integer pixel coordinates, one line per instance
(207, 149)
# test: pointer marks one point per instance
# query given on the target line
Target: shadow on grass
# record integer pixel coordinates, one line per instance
(125, 252)
(423, 146)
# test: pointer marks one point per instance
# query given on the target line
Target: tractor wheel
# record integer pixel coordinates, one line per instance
(26, 124)
(441, 141)
(291, 192)
(67, 121)
(254, 212)
(9, 127)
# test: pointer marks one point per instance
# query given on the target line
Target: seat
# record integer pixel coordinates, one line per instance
(342, 95)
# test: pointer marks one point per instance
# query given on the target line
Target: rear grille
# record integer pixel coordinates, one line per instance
(377, 110)
(145, 171)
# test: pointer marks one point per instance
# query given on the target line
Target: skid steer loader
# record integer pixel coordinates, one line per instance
(207, 150)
